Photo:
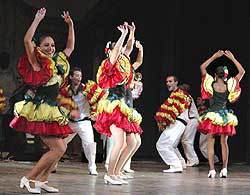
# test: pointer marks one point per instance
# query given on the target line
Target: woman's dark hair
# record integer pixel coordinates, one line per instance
(41, 38)
(219, 71)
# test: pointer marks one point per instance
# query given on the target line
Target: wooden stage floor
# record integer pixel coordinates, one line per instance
(72, 179)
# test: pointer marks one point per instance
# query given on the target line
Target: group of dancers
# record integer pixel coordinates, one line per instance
(56, 110)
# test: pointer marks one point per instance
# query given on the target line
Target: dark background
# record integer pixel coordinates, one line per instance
(177, 37)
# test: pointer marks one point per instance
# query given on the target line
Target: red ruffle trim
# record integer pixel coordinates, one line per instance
(105, 120)
(204, 94)
(110, 75)
(31, 77)
(207, 127)
(40, 128)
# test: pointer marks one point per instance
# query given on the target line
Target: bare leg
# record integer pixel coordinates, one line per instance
(57, 147)
(210, 148)
(138, 144)
(119, 136)
(224, 150)
(126, 153)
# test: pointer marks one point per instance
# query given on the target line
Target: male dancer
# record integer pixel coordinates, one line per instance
(187, 139)
(172, 118)
(82, 125)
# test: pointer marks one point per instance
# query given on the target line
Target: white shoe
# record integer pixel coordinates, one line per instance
(128, 171)
(93, 172)
(192, 164)
(125, 176)
(223, 173)
(183, 163)
(118, 178)
(47, 188)
(211, 174)
(111, 180)
(173, 170)
(26, 183)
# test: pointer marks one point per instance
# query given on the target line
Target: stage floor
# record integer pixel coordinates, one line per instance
(72, 179)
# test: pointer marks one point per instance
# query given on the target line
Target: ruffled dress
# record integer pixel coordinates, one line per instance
(218, 119)
(43, 111)
(114, 97)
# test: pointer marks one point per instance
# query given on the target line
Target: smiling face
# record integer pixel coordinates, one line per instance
(76, 78)
(47, 45)
(171, 83)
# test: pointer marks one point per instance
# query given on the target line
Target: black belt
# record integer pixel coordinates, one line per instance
(191, 117)
(181, 120)
(84, 119)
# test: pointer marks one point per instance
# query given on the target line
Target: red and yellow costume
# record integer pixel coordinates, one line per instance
(44, 112)
(2, 100)
(218, 119)
(178, 101)
(111, 99)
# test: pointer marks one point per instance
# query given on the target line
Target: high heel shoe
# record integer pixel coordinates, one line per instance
(223, 173)
(118, 178)
(111, 180)
(47, 188)
(26, 183)
(211, 174)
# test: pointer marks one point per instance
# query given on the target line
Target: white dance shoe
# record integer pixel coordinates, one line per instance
(47, 188)
(192, 164)
(93, 172)
(173, 170)
(211, 174)
(119, 178)
(26, 183)
(111, 180)
(128, 170)
(223, 173)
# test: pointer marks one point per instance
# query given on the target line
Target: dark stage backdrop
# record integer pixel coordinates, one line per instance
(177, 37)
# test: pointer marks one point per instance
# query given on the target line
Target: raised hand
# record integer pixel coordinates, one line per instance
(67, 18)
(218, 54)
(229, 55)
(132, 27)
(40, 14)
(138, 45)
(123, 28)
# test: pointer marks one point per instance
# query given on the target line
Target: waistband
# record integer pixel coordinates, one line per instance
(83, 119)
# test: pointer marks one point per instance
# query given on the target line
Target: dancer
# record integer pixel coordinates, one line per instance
(187, 139)
(115, 115)
(82, 125)
(203, 138)
(41, 113)
(172, 118)
(218, 120)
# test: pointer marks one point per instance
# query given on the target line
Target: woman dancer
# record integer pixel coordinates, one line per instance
(115, 115)
(40, 113)
(218, 120)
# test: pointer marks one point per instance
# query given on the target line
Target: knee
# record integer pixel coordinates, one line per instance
(223, 142)
(132, 143)
(60, 150)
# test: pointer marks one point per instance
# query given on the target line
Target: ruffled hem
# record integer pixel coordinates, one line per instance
(207, 127)
(36, 78)
(105, 120)
(221, 118)
(40, 128)
(42, 113)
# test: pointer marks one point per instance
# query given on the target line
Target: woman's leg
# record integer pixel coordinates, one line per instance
(210, 149)
(138, 144)
(119, 137)
(57, 147)
(224, 150)
(126, 152)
